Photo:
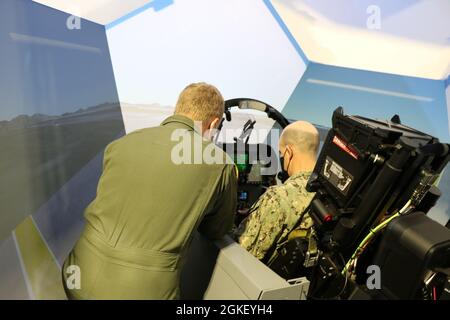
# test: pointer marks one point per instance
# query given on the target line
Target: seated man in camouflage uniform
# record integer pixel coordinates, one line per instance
(278, 210)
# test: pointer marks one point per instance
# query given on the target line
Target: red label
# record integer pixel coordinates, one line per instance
(343, 145)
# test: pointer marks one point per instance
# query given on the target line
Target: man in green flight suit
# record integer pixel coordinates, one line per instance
(150, 200)
(278, 210)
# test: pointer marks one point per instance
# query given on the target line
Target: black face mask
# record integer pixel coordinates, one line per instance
(283, 175)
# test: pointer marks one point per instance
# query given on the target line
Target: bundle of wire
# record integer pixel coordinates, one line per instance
(351, 264)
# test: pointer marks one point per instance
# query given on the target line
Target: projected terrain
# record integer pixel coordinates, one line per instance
(40, 153)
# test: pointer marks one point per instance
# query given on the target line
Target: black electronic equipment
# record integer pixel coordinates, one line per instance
(253, 180)
(368, 168)
(374, 182)
(372, 176)
(413, 248)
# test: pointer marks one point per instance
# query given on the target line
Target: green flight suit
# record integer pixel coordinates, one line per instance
(147, 207)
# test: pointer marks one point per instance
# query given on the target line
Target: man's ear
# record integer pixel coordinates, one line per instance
(209, 131)
(289, 152)
(214, 124)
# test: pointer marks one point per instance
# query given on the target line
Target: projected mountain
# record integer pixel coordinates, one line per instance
(26, 121)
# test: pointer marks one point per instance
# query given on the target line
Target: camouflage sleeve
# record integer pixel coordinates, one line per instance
(261, 229)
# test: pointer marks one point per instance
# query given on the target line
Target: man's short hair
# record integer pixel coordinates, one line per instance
(200, 102)
(301, 135)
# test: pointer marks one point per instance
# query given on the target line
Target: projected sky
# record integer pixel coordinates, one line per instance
(47, 68)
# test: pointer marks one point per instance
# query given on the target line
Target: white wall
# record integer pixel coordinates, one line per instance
(236, 45)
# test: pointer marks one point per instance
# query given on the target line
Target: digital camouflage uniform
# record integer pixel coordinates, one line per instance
(274, 215)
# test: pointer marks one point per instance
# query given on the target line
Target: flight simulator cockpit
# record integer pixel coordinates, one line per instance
(257, 163)
(374, 183)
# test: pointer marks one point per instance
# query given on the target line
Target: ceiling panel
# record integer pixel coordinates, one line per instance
(99, 11)
(412, 37)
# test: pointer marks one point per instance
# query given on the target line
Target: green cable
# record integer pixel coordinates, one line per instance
(372, 232)
(369, 236)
